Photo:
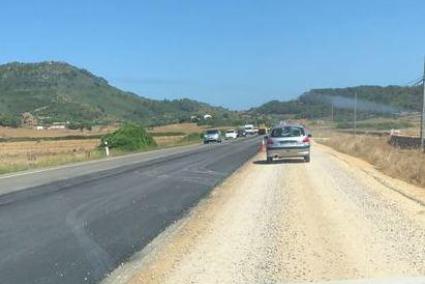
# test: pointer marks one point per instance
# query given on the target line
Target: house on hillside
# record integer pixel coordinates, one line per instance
(207, 116)
(28, 120)
(194, 118)
(57, 125)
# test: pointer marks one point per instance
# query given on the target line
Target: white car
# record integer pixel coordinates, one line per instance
(231, 134)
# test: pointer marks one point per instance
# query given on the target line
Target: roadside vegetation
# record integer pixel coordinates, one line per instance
(18, 156)
(404, 164)
(129, 137)
(24, 149)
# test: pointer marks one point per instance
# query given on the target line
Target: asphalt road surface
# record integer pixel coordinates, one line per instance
(59, 226)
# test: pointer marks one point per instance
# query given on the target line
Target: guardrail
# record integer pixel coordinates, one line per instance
(405, 142)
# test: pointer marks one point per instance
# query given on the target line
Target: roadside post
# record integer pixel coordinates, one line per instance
(423, 111)
(106, 149)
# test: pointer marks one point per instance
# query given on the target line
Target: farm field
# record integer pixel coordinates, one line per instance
(8, 132)
(15, 156)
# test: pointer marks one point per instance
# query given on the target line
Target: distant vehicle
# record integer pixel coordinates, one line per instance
(231, 134)
(241, 132)
(288, 141)
(262, 131)
(250, 129)
(213, 135)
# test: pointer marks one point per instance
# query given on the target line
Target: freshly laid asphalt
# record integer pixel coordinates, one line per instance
(76, 224)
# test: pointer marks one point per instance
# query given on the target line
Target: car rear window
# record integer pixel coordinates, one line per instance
(212, 131)
(287, 131)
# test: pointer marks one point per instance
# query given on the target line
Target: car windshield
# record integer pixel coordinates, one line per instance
(276, 141)
(287, 131)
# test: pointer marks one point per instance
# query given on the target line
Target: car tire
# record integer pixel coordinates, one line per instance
(307, 159)
(269, 160)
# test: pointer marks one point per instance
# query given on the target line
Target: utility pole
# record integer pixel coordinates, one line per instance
(423, 111)
(355, 113)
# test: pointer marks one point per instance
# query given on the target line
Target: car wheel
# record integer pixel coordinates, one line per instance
(269, 160)
(307, 159)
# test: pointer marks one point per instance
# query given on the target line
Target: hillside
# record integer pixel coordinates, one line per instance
(57, 91)
(371, 100)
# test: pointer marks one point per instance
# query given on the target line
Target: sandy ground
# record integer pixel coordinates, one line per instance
(335, 218)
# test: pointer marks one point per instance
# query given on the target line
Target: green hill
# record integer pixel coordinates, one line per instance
(372, 100)
(57, 91)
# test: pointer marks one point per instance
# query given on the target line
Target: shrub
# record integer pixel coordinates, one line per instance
(9, 120)
(129, 137)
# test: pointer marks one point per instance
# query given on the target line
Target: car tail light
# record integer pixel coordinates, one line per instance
(306, 140)
(269, 141)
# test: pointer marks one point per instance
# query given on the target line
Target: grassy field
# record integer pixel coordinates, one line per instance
(185, 128)
(7, 132)
(23, 155)
(407, 165)
(16, 156)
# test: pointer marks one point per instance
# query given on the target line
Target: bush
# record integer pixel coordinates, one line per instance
(129, 137)
(9, 120)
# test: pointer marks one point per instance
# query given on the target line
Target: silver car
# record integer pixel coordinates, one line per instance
(213, 135)
(288, 141)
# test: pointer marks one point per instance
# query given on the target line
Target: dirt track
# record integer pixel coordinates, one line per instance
(332, 219)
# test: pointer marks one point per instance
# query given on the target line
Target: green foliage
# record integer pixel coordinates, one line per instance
(317, 102)
(57, 91)
(130, 137)
(80, 125)
(9, 120)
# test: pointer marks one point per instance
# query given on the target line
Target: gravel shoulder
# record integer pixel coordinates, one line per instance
(336, 218)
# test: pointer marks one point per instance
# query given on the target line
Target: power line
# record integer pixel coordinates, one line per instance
(415, 82)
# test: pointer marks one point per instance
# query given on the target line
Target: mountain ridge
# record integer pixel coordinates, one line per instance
(59, 91)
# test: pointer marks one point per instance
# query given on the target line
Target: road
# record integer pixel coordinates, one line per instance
(75, 224)
(336, 218)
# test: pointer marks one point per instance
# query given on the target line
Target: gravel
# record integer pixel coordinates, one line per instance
(330, 219)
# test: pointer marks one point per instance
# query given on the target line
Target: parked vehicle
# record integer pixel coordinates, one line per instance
(241, 132)
(231, 134)
(250, 129)
(213, 135)
(288, 141)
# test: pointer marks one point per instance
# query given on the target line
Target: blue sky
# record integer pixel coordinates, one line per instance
(232, 53)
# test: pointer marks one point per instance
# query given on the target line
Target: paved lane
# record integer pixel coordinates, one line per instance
(79, 229)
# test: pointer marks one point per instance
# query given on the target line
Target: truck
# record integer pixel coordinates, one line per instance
(250, 129)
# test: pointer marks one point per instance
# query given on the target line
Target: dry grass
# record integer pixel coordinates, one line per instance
(186, 128)
(16, 156)
(408, 165)
(168, 140)
(7, 132)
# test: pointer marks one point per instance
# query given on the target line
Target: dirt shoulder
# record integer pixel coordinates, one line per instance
(335, 218)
